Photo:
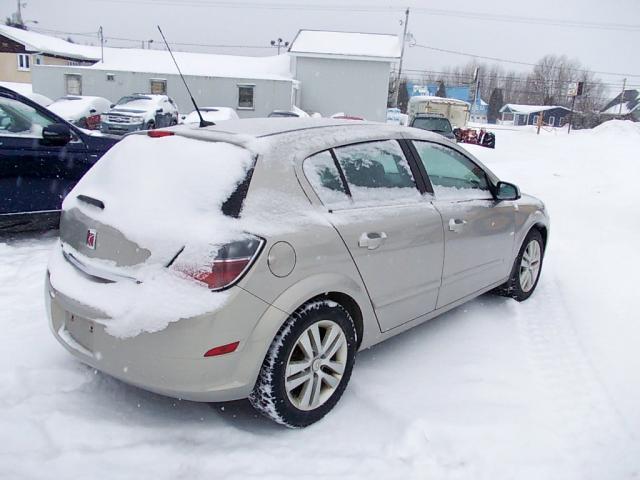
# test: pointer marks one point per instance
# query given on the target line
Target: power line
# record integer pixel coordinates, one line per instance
(516, 62)
(385, 9)
(138, 40)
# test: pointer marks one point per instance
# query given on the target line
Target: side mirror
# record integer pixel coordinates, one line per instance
(112, 105)
(92, 111)
(57, 134)
(507, 191)
(159, 110)
(183, 117)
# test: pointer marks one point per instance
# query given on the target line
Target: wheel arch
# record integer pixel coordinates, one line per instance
(544, 231)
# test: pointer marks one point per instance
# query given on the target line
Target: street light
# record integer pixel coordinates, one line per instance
(279, 43)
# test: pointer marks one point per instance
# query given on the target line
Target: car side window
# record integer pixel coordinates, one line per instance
(324, 177)
(377, 173)
(21, 120)
(452, 175)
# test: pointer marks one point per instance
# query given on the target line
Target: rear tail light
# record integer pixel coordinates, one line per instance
(231, 262)
(159, 133)
(93, 122)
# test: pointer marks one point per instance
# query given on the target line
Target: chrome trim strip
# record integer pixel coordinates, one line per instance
(94, 271)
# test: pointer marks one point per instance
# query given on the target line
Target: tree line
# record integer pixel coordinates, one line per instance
(546, 83)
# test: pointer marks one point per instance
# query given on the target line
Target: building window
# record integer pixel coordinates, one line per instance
(552, 121)
(38, 60)
(245, 97)
(73, 84)
(23, 62)
(111, 77)
(507, 117)
(75, 63)
(158, 86)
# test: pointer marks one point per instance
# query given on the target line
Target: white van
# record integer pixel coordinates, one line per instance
(455, 110)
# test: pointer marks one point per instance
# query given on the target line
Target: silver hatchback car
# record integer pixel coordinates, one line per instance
(254, 259)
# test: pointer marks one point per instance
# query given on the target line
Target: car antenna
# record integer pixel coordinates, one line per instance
(203, 122)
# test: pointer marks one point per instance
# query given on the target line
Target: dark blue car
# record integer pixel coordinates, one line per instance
(41, 158)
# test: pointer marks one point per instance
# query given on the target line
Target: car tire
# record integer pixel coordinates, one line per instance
(521, 285)
(150, 125)
(307, 366)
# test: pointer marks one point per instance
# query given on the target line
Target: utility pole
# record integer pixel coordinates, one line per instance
(19, 13)
(404, 38)
(540, 120)
(573, 105)
(624, 86)
(101, 44)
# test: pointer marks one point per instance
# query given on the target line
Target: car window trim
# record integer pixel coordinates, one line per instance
(417, 167)
(423, 168)
(343, 178)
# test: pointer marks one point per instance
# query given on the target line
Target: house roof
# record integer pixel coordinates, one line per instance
(38, 43)
(526, 109)
(630, 100)
(159, 62)
(320, 43)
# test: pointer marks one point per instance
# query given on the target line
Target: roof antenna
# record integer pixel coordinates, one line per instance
(203, 122)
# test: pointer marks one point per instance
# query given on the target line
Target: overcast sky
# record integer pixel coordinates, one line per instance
(603, 35)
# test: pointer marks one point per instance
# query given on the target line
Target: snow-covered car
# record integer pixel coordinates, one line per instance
(261, 262)
(211, 114)
(139, 111)
(344, 116)
(82, 111)
(295, 112)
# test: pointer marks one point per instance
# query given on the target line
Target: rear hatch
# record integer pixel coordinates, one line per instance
(147, 199)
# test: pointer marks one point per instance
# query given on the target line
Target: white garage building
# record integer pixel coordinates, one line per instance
(325, 72)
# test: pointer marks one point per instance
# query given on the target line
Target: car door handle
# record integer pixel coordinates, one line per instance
(371, 240)
(456, 224)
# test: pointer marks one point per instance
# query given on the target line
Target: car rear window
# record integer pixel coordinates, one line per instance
(168, 183)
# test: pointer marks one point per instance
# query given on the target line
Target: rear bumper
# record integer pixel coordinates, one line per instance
(169, 362)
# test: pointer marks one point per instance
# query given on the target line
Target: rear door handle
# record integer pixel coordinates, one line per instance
(456, 224)
(371, 240)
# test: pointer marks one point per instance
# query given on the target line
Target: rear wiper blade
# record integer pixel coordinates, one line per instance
(91, 201)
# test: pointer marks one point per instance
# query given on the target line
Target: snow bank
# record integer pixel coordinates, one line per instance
(617, 128)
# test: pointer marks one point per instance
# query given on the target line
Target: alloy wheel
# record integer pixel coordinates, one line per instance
(530, 266)
(316, 365)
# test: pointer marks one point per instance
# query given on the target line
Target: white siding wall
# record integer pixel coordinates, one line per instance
(356, 87)
(269, 95)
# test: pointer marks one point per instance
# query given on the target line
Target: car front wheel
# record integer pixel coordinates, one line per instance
(526, 268)
(308, 365)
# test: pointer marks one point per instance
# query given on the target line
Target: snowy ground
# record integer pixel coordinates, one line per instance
(547, 389)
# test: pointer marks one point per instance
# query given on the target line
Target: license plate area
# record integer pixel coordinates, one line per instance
(81, 330)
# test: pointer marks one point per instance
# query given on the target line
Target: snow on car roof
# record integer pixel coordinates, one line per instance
(197, 64)
(319, 43)
(37, 42)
